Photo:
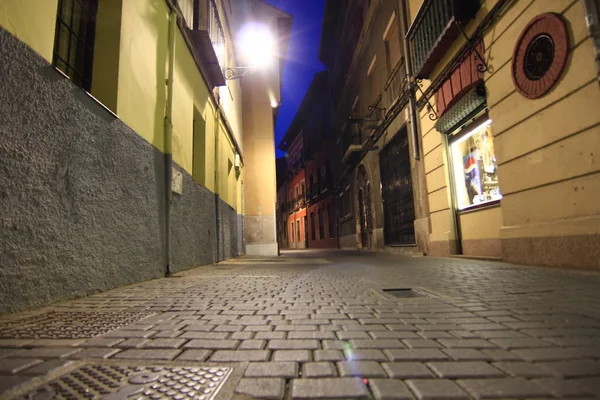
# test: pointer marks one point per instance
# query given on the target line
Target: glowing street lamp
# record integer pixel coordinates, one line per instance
(257, 48)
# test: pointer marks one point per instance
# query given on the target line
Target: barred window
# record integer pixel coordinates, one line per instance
(74, 40)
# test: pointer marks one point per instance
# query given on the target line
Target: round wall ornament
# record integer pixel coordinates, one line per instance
(540, 55)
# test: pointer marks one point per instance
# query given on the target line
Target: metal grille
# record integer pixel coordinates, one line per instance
(403, 293)
(397, 192)
(74, 40)
(68, 325)
(139, 382)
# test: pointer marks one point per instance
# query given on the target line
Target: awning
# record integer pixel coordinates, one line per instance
(464, 109)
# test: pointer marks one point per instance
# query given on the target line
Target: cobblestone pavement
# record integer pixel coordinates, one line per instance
(318, 325)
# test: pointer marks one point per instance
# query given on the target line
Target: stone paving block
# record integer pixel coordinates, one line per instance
(228, 328)
(318, 370)
(212, 344)
(163, 343)
(466, 343)
(437, 389)
(375, 321)
(593, 341)
(7, 352)
(131, 343)
(45, 367)
(389, 389)
(310, 322)
(363, 369)
(484, 327)
(502, 355)
(258, 328)
(508, 334)
(407, 370)
(336, 345)
(199, 327)
(167, 334)
(437, 327)
(204, 335)
(467, 354)
(377, 344)
(95, 352)
(365, 355)
(343, 335)
(464, 334)
(277, 344)
(295, 328)
(270, 335)
(194, 355)
(311, 335)
(252, 345)
(147, 354)
(364, 328)
(262, 388)
(292, 355)
(50, 352)
(421, 343)
(504, 388)
(415, 355)
(565, 388)
(129, 334)
(520, 343)
(464, 369)
(329, 388)
(328, 355)
(139, 327)
(272, 370)
(573, 368)
(548, 354)
(402, 327)
(240, 355)
(15, 342)
(8, 382)
(101, 342)
(523, 369)
(430, 335)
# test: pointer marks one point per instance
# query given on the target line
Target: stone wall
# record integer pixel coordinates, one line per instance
(83, 195)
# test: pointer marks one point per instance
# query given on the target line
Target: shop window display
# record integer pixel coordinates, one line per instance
(475, 167)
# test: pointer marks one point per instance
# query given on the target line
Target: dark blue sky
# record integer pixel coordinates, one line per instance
(302, 58)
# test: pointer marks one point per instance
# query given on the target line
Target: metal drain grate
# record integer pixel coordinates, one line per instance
(135, 382)
(403, 292)
(69, 325)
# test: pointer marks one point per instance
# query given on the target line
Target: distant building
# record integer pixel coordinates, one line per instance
(312, 219)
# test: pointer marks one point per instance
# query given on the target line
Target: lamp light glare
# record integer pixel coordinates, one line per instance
(257, 45)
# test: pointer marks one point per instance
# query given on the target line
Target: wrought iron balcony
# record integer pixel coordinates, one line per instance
(354, 148)
(436, 26)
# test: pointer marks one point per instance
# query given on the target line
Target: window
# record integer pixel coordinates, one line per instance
(187, 10)
(373, 86)
(292, 231)
(313, 233)
(74, 40)
(331, 220)
(347, 203)
(297, 192)
(393, 50)
(321, 225)
(475, 167)
(298, 230)
(303, 189)
(341, 206)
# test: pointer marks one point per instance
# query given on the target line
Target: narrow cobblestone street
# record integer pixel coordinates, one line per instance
(312, 325)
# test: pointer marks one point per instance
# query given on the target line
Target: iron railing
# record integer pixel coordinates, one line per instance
(434, 29)
(395, 83)
(216, 32)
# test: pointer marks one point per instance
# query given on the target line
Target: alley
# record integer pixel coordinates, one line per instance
(317, 325)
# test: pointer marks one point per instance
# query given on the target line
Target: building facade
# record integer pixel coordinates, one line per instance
(312, 220)
(508, 99)
(379, 176)
(126, 145)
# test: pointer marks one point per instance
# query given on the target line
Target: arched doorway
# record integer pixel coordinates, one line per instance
(364, 208)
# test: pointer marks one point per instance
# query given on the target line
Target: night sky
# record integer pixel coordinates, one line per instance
(302, 58)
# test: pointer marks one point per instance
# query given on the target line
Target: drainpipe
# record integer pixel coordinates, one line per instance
(217, 195)
(414, 130)
(592, 20)
(169, 136)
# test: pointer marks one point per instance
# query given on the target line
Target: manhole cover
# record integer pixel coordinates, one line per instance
(403, 292)
(68, 325)
(134, 382)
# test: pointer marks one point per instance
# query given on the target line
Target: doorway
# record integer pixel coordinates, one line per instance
(364, 208)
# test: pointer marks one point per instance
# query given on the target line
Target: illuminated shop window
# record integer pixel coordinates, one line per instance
(475, 167)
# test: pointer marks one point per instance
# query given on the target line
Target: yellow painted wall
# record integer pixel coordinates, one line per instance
(32, 21)
(143, 68)
(481, 224)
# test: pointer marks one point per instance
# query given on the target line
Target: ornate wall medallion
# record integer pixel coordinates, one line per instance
(540, 55)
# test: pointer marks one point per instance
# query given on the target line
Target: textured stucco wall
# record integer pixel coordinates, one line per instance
(82, 195)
